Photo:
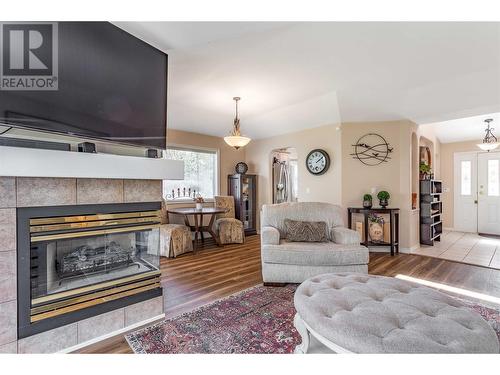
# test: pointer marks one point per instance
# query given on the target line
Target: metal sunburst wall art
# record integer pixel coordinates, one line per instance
(372, 149)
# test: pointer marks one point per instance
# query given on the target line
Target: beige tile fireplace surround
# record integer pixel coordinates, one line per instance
(26, 192)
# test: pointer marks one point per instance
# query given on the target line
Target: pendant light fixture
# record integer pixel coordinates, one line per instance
(235, 139)
(490, 142)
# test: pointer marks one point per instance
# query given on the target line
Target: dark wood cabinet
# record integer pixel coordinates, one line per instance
(243, 187)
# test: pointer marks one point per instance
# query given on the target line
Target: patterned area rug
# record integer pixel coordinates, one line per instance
(257, 320)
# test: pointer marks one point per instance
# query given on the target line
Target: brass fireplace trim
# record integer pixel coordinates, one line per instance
(97, 301)
(60, 236)
(95, 287)
(97, 217)
(88, 297)
(92, 224)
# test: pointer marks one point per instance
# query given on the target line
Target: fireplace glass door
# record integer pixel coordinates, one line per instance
(78, 260)
(75, 262)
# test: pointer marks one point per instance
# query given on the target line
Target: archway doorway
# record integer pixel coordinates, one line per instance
(284, 171)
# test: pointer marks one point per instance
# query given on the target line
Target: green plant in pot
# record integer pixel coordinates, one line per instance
(367, 201)
(383, 197)
(425, 170)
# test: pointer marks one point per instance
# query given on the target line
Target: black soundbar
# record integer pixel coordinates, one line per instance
(28, 143)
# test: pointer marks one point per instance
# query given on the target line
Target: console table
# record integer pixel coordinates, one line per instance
(393, 214)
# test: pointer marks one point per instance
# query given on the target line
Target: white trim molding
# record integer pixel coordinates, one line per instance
(409, 250)
(27, 162)
(111, 334)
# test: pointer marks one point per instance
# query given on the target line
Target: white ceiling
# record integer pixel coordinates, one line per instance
(293, 76)
(465, 129)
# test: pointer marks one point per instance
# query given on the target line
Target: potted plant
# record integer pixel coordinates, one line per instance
(383, 197)
(376, 228)
(199, 202)
(367, 201)
(425, 170)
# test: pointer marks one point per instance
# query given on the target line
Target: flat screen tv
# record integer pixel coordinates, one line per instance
(111, 86)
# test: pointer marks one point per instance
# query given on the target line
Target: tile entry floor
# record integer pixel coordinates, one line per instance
(466, 248)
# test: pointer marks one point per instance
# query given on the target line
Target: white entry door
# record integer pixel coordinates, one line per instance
(465, 192)
(488, 193)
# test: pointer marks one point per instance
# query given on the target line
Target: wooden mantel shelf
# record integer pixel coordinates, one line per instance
(27, 162)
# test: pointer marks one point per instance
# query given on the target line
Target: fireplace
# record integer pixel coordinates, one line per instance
(75, 262)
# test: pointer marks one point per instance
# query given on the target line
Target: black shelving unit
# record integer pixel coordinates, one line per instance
(431, 211)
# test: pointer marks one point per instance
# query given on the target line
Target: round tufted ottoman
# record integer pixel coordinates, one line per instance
(360, 313)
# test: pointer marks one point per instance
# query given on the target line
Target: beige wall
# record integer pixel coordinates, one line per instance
(228, 156)
(393, 176)
(447, 175)
(324, 188)
(358, 179)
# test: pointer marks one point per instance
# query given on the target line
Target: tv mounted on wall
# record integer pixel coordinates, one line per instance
(111, 86)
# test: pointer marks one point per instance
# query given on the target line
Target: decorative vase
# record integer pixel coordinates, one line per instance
(383, 203)
(376, 232)
(199, 206)
(425, 176)
(367, 204)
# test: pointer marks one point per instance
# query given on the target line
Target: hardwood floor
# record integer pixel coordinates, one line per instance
(212, 273)
(193, 280)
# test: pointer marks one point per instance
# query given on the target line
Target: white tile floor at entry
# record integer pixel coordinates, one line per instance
(465, 247)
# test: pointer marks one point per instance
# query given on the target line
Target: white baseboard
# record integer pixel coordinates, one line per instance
(449, 229)
(379, 249)
(409, 250)
(111, 334)
(383, 249)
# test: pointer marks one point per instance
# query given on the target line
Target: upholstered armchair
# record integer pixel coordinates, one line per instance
(284, 261)
(175, 239)
(228, 228)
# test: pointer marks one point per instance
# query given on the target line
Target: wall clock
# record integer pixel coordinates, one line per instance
(318, 162)
(241, 168)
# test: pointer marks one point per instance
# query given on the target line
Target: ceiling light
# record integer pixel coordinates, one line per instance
(235, 139)
(490, 142)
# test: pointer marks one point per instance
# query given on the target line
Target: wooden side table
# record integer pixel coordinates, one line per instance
(393, 214)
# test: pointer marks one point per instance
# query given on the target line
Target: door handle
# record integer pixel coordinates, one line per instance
(475, 202)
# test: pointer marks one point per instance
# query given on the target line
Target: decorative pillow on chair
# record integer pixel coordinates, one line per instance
(306, 231)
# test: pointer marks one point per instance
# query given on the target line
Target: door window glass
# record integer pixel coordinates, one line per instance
(465, 177)
(493, 178)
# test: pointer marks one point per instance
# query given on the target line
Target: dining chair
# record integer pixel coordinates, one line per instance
(175, 239)
(228, 228)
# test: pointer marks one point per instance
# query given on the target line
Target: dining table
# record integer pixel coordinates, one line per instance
(198, 215)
